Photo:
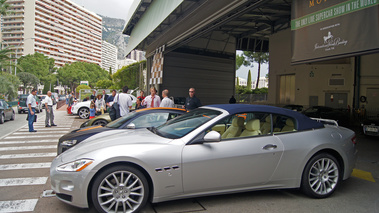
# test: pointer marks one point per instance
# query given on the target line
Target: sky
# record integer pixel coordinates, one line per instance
(109, 8)
(120, 8)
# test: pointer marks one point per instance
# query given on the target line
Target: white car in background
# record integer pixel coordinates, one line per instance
(82, 108)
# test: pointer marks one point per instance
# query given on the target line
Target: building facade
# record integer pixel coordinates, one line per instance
(137, 55)
(109, 57)
(61, 30)
(125, 62)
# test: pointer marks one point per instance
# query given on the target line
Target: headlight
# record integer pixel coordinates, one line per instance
(85, 124)
(69, 142)
(75, 166)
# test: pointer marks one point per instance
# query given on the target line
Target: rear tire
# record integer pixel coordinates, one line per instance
(120, 189)
(321, 176)
(2, 119)
(13, 116)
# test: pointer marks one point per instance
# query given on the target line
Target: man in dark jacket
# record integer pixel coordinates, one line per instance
(192, 102)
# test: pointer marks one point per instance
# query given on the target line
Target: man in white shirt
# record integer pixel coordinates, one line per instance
(152, 100)
(49, 110)
(31, 102)
(124, 101)
(166, 101)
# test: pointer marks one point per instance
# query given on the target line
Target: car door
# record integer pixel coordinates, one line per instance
(231, 163)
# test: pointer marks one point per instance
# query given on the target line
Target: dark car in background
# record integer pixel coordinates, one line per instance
(340, 115)
(142, 118)
(370, 126)
(293, 107)
(6, 112)
(23, 108)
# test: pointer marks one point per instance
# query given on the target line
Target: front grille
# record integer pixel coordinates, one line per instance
(64, 197)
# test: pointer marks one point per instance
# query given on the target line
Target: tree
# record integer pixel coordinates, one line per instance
(72, 74)
(28, 79)
(128, 75)
(249, 81)
(9, 85)
(104, 84)
(257, 57)
(41, 66)
(239, 61)
(4, 7)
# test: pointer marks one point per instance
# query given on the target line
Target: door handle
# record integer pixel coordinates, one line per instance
(270, 147)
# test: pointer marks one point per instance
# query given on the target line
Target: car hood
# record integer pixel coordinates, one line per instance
(113, 138)
(80, 133)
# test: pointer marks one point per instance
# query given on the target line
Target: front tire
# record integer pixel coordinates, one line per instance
(84, 113)
(321, 176)
(100, 122)
(120, 189)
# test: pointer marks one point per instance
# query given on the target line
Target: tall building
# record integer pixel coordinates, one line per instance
(137, 55)
(60, 29)
(109, 57)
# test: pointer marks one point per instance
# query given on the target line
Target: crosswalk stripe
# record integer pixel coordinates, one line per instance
(29, 155)
(18, 205)
(25, 166)
(49, 132)
(45, 129)
(33, 135)
(27, 147)
(23, 181)
(29, 141)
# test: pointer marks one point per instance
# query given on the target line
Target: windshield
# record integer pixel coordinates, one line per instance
(186, 123)
(119, 122)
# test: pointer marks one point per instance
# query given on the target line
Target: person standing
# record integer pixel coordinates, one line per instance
(124, 101)
(232, 100)
(192, 102)
(141, 95)
(100, 104)
(31, 102)
(152, 100)
(110, 99)
(49, 110)
(93, 96)
(166, 101)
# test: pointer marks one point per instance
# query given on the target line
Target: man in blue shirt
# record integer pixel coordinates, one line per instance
(192, 102)
(31, 102)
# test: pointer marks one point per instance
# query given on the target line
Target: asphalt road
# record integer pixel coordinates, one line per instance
(24, 177)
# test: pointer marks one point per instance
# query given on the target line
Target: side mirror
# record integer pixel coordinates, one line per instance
(212, 136)
(131, 126)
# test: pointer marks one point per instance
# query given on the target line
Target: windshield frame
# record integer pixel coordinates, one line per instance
(120, 122)
(183, 125)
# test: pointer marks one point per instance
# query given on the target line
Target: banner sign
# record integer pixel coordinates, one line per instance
(328, 29)
(156, 76)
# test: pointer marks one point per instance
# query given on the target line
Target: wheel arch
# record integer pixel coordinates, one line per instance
(140, 168)
(335, 154)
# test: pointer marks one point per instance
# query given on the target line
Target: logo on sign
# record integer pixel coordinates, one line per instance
(330, 42)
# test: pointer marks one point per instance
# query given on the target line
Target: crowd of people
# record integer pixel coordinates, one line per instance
(101, 103)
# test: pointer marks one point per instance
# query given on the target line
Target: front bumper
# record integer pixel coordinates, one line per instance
(70, 187)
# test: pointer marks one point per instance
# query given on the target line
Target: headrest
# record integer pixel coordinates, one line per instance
(237, 121)
(289, 122)
(253, 124)
(268, 119)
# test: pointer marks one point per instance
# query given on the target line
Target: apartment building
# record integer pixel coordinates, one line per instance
(109, 57)
(137, 55)
(60, 29)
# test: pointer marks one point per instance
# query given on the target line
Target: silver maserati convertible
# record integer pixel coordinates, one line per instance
(212, 150)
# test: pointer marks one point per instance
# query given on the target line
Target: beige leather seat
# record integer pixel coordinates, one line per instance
(266, 126)
(252, 128)
(289, 127)
(235, 129)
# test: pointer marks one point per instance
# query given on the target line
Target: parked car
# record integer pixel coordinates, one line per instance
(82, 108)
(23, 108)
(340, 115)
(141, 118)
(211, 150)
(42, 97)
(370, 126)
(61, 97)
(6, 112)
(297, 108)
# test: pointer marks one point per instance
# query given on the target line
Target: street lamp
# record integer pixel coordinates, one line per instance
(15, 67)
